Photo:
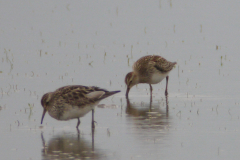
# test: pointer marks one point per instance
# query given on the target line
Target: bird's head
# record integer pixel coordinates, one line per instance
(45, 103)
(130, 80)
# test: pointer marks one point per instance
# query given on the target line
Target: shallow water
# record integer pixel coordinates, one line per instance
(47, 45)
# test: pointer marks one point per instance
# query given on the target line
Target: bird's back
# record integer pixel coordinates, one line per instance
(152, 63)
(77, 95)
(74, 101)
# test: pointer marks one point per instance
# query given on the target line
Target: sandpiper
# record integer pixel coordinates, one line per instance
(150, 69)
(73, 101)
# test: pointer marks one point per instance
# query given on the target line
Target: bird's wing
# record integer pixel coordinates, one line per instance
(95, 94)
(78, 95)
(162, 64)
(82, 95)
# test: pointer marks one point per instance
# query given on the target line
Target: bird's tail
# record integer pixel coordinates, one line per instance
(110, 93)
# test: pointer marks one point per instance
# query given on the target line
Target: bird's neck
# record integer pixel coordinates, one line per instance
(143, 80)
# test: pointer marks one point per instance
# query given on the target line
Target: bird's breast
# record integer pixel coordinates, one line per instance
(157, 77)
(72, 112)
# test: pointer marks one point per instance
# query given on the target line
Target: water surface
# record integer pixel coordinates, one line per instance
(47, 45)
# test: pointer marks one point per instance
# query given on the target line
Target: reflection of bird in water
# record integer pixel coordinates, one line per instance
(150, 117)
(66, 146)
(150, 69)
(74, 101)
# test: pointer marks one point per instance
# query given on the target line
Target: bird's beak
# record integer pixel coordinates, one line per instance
(128, 89)
(44, 111)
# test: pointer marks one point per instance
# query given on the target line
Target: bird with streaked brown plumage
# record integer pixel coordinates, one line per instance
(150, 69)
(73, 101)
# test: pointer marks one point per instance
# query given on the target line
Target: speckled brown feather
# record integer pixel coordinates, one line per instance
(149, 64)
(57, 102)
(150, 69)
(76, 95)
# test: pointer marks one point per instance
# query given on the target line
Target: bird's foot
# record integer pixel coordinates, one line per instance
(93, 124)
(78, 131)
(166, 93)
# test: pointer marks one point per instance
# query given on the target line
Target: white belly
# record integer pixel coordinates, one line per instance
(76, 112)
(158, 77)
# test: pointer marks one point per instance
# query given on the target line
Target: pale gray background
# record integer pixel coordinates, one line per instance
(48, 44)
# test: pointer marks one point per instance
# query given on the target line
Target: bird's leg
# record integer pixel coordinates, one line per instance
(93, 126)
(92, 139)
(166, 92)
(150, 89)
(150, 107)
(150, 92)
(78, 123)
(78, 133)
(167, 106)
